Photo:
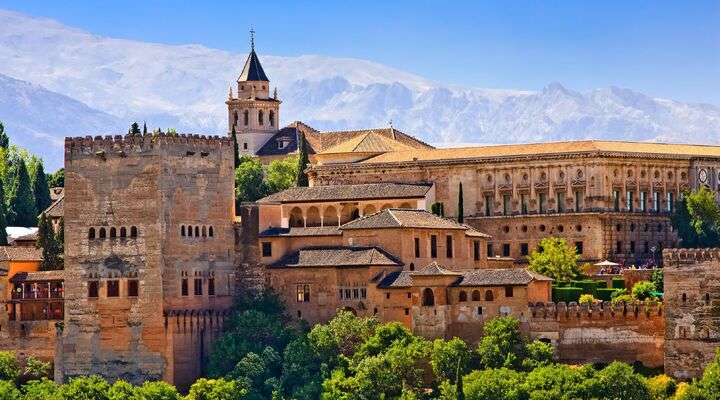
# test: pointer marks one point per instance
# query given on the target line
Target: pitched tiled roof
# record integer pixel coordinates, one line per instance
(547, 148)
(396, 279)
(499, 277)
(407, 218)
(337, 256)
(348, 192)
(56, 192)
(367, 143)
(56, 208)
(252, 71)
(309, 231)
(434, 269)
(57, 275)
(20, 253)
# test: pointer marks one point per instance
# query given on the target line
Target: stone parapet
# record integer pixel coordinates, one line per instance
(678, 257)
(594, 312)
(121, 146)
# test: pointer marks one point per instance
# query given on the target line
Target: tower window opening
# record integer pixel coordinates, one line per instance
(133, 231)
(271, 117)
(246, 117)
(261, 118)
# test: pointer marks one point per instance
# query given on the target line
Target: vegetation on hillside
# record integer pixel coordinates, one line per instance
(253, 181)
(697, 219)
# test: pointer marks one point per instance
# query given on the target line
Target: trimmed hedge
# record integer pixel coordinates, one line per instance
(566, 294)
(588, 286)
(604, 294)
(601, 284)
(618, 283)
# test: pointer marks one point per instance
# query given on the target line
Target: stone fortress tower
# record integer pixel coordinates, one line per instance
(148, 256)
(253, 114)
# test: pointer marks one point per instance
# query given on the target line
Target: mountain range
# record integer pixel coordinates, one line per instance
(58, 81)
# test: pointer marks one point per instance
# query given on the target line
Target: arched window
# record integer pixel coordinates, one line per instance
(330, 216)
(197, 231)
(235, 118)
(271, 117)
(113, 232)
(261, 117)
(296, 218)
(189, 231)
(488, 295)
(246, 117)
(707, 299)
(91, 233)
(412, 266)
(684, 297)
(102, 233)
(204, 231)
(475, 295)
(123, 232)
(182, 230)
(463, 296)
(133, 231)
(312, 216)
(355, 214)
(210, 231)
(428, 297)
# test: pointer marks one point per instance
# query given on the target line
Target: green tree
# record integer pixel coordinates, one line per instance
(501, 345)
(259, 373)
(134, 129)
(57, 178)
(303, 161)
(555, 259)
(35, 369)
(495, 384)
(708, 387)
(43, 389)
(302, 370)
(8, 391)
(281, 174)
(697, 219)
(661, 387)
(157, 391)
(3, 213)
(558, 382)
(342, 335)
(144, 128)
(643, 290)
(121, 390)
(4, 139)
(618, 381)
(249, 183)
(658, 279)
(461, 208)
(41, 189)
(9, 367)
(385, 336)
(84, 388)
(537, 354)
(22, 211)
(233, 135)
(450, 358)
(52, 250)
(216, 389)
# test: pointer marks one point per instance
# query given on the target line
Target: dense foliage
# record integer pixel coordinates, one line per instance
(555, 258)
(253, 181)
(697, 219)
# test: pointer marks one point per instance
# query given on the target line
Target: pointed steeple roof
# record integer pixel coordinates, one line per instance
(252, 71)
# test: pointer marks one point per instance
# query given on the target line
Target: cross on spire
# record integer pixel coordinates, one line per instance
(252, 38)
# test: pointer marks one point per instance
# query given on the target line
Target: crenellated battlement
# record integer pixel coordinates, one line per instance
(127, 144)
(677, 257)
(186, 321)
(596, 311)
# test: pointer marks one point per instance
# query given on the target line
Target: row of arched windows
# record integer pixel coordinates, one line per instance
(260, 116)
(475, 296)
(112, 232)
(196, 231)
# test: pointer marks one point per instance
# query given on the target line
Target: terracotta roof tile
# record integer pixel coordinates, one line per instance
(396, 279)
(337, 256)
(20, 253)
(499, 277)
(434, 269)
(407, 218)
(309, 231)
(367, 143)
(348, 192)
(56, 275)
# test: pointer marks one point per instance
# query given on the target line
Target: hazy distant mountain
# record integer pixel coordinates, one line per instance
(185, 87)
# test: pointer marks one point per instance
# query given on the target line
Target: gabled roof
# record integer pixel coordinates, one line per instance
(408, 218)
(20, 253)
(252, 71)
(370, 142)
(348, 192)
(396, 279)
(309, 231)
(56, 208)
(434, 269)
(56, 275)
(337, 257)
(500, 277)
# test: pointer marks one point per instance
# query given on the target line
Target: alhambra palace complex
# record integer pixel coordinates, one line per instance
(154, 251)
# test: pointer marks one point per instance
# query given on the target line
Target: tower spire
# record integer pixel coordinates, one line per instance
(252, 38)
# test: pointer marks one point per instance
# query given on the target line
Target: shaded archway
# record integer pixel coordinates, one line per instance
(369, 209)
(489, 295)
(405, 205)
(330, 216)
(386, 206)
(296, 217)
(349, 212)
(428, 297)
(476, 295)
(312, 217)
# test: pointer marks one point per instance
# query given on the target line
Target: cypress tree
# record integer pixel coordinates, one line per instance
(41, 189)
(134, 129)
(3, 221)
(303, 161)
(235, 146)
(461, 212)
(22, 211)
(460, 392)
(48, 243)
(4, 139)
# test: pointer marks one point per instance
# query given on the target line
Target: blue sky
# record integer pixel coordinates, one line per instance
(662, 48)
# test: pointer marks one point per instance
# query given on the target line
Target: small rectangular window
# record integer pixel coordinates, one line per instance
(479, 310)
(132, 288)
(524, 249)
(508, 291)
(488, 205)
(363, 293)
(616, 200)
(211, 286)
(356, 293)
(560, 201)
(387, 295)
(579, 247)
(198, 287)
(523, 204)
(266, 249)
(578, 201)
(347, 294)
(184, 287)
(433, 246)
(632, 247)
(642, 201)
(93, 289)
(113, 288)
(407, 311)
(303, 293)
(449, 246)
(409, 295)
(506, 249)
(629, 204)
(490, 251)
(476, 250)
(618, 247)
(542, 202)
(417, 247)
(506, 204)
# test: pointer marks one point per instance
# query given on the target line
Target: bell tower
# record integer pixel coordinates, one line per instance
(253, 113)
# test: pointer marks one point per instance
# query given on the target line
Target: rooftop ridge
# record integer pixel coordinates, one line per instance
(677, 257)
(140, 142)
(597, 311)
